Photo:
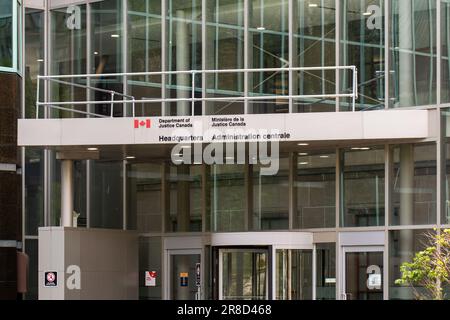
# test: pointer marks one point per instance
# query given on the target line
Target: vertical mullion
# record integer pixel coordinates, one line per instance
(387, 45)
(246, 53)
(47, 29)
(89, 65)
(291, 53)
(440, 167)
(163, 55)
(338, 51)
(204, 66)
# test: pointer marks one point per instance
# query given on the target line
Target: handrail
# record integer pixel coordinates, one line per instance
(129, 99)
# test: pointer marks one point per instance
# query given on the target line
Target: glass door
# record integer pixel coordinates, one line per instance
(184, 277)
(243, 274)
(363, 273)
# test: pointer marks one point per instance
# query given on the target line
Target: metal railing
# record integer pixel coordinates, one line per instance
(245, 97)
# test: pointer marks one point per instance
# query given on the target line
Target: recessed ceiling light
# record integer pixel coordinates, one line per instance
(303, 154)
(261, 28)
(115, 36)
(131, 157)
(92, 149)
(364, 148)
(324, 157)
(367, 13)
(313, 5)
(303, 163)
(40, 60)
(96, 53)
(303, 144)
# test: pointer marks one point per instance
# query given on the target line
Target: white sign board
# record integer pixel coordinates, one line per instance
(150, 278)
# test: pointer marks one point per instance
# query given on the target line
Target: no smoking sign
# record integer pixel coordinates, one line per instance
(51, 279)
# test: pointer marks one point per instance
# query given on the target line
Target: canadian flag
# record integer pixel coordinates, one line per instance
(142, 124)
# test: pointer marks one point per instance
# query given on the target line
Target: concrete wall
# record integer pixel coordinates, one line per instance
(108, 260)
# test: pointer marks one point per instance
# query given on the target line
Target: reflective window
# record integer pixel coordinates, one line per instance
(144, 197)
(363, 46)
(185, 52)
(271, 198)
(403, 245)
(244, 274)
(314, 29)
(6, 33)
(224, 50)
(294, 275)
(106, 205)
(228, 198)
(68, 40)
(315, 187)
(106, 55)
(269, 48)
(34, 58)
(413, 70)
(326, 271)
(34, 191)
(363, 187)
(414, 185)
(184, 199)
(145, 46)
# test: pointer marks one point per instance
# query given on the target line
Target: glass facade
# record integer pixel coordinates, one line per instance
(10, 39)
(381, 186)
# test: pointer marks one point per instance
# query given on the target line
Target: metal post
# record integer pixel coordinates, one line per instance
(193, 93)
(112, 104)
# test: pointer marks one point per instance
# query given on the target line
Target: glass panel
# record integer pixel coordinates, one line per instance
(244, 275)
(185, 53)
(106, 17)
(228, 198)
(445, 38)
(413, 75)
(225, 50)
(315, 190)
(269, 48)
(414, 185)
(183, 276)
(294, 274)
(34, 58)
(6, 34)
(34, 191)
(364, 275)
(185, 195)
(271, 198)
(326, 271)
(150, 260)
(363, 187)
(314, 29)
(68, 54)
(31, 249)
(363, 46)
(106, 195)
(404, 244)
(144, 45)
(144, 197)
